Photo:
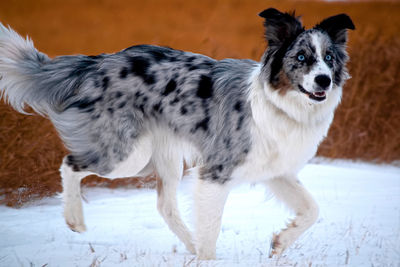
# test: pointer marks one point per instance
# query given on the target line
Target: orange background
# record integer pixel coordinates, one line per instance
(366, 126)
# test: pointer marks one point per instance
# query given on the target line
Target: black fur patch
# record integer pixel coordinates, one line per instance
(71, 162)
(188, 65)
(158, 55)
(140, 67)
(82, 162)
(338, 76)
(183, 110)
(106, 82)
(85, 104)
(276, 64)
(239, 123)
(215, 177)
(280, 27)
(171, 86)
(121, 105)
(310, 60)
(336, 27)
(81, 70)
(83, 66)
(97, 56)
(220, 168)
(238, 106)
(138, 94)
(205, 87)
(141, 107)
(123, 73)
(192, 67)
(158, 107)
(174, 101)
(202, 125)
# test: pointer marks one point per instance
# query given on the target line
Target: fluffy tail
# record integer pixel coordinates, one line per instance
(29, 77)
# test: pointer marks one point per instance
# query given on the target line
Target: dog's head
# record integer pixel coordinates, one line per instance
(308, 62)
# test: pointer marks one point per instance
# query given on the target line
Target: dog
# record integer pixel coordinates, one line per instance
(150, 108)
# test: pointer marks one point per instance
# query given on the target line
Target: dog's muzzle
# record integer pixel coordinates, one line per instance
(317, 95)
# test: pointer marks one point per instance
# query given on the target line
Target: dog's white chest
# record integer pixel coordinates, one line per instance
(278, 154)
(280, 146)
(285, 132)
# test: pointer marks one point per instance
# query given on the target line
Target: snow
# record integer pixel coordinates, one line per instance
(359, 225)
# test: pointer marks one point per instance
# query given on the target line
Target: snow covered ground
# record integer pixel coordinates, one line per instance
(359, 225)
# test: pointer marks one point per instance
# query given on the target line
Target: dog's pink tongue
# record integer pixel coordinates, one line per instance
(320, 94)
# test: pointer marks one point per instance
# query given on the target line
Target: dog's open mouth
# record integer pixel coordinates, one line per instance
(317, 96)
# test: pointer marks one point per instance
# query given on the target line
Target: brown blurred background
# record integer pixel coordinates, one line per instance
(366, 125)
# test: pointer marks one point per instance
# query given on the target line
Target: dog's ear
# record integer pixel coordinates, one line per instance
(280, 27)
(336, 27)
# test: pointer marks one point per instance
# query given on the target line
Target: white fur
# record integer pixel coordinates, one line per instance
(167, 157)
(136, 161)
(297, 198)
(210, 198)
(12, 44)
(73, 212)
(319, 68)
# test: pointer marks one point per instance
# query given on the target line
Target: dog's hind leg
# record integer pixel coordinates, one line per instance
(292, 193)
(71, 183)
(169, 166)
(210, 198)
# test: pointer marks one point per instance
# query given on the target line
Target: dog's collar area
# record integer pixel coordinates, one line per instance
(317, 96)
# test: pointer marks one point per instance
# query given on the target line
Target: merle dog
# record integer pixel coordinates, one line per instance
(150, 108)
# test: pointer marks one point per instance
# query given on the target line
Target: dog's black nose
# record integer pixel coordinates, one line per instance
(323, 81)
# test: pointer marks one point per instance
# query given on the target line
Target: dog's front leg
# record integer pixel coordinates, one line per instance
(210, 200)
(292, 193)
(71, 183)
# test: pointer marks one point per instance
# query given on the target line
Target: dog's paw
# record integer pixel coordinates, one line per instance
(280, 242)
(191, 248)
(276, 248)
(74, 220)
(80, 228)
(206, 254)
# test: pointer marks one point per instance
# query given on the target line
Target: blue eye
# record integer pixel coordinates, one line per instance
(301, 57)
(328, 57)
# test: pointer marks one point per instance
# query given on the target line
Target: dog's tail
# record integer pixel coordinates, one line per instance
(29, 77)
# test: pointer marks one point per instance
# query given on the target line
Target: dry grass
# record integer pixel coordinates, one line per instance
(366, 125)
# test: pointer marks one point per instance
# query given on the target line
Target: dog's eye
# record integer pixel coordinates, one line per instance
(301, 57)
(328, 57)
